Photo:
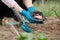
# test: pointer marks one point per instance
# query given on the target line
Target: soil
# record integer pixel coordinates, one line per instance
(51, 28)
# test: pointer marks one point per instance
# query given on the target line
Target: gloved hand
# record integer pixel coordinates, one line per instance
(34, 13)
(28, 16)
(9, 3)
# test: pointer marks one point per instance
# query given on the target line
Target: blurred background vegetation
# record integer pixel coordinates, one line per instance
(48, 7)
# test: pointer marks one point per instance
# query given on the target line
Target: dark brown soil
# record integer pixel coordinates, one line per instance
(51, 28)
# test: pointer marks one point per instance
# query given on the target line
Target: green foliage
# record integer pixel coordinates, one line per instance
(58, 13)
(49, 8)
(29, 36)
(21, 38)
(41, 37)
(47, 13)
(25, 36)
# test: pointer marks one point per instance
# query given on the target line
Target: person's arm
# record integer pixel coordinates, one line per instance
(18, 7)
(12, 3)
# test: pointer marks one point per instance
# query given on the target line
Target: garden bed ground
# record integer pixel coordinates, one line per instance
(51, 28)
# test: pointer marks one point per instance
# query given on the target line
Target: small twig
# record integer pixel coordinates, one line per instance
(15, 30)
